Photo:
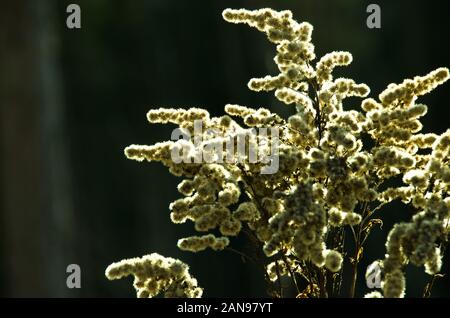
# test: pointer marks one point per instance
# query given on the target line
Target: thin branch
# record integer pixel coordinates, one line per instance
(280, 287)
(294, 280)
(243, 255)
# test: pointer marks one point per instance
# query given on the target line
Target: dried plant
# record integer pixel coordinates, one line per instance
(319, 174)
(155, 274)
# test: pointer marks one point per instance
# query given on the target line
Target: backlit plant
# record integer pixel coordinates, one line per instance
(332, 167)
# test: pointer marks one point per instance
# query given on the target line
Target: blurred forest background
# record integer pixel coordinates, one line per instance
(71, 100)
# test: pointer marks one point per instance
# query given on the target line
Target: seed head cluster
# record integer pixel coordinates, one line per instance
(334, 165)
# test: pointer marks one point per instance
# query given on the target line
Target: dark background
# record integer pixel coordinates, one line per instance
(71, 100)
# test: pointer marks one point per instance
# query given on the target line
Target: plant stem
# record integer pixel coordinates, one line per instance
(280, 287)
(354, 264)
(335, 279)
(429, 286)
(322, 283)
(292, 273)
(243, 255)
(354, 278)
